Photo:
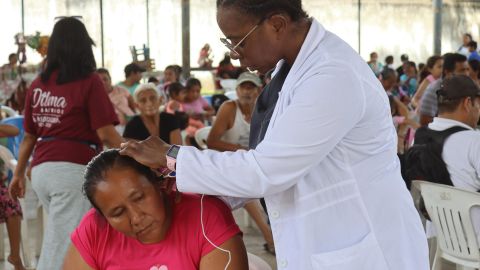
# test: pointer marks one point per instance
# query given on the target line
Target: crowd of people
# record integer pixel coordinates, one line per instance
(107, 210)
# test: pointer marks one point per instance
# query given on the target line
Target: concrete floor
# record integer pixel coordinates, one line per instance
(252, 237)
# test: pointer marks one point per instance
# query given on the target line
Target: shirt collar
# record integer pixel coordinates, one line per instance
(440, 123)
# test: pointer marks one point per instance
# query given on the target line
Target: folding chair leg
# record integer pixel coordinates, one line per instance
(437, 262)
(2, 242)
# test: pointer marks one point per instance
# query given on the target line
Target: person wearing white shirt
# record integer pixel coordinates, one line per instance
(324, 154)
(459, 105)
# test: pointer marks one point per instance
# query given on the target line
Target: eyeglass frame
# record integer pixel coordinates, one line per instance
(232, 47)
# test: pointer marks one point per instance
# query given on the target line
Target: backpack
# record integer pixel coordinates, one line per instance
(423, 161)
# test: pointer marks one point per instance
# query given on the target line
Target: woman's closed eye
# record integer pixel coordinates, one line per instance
(117, 212)
(138, 197)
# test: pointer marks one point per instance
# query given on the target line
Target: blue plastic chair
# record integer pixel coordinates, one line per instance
(13, 143)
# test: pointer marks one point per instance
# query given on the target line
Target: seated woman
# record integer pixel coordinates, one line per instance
(151, 122)
(231, 132)
(135, 224)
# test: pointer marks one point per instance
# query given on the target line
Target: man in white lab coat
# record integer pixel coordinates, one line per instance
(323, 148)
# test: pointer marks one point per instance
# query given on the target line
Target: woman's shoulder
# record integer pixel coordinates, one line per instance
(135, 120)
(92, 220)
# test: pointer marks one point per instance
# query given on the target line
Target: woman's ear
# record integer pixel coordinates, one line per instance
(278, 23)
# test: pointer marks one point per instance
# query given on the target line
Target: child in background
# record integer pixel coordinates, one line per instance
(197, 108)
(10, 210)
(177, 93)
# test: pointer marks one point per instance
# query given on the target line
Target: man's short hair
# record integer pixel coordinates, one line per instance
(388, 73)
(450, 60)
(132, 68)
(453, 90)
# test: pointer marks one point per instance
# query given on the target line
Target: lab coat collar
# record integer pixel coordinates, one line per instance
(314, 37)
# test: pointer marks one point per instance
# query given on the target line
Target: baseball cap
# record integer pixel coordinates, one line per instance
(132, 67)
(248, 77)
(458, 86)
(144, 87)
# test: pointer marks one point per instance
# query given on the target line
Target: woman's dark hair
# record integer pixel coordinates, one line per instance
(389, 60)
(153, 80)
(70, 52)
(104, 71)
(193, 82)
(432, 60)
(175, 88)
(176, 69)
(107, 160)
(265, 8)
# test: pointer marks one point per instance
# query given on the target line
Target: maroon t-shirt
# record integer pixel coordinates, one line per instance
(65, 118)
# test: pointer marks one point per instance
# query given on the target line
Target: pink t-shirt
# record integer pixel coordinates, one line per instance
(196, 106)
(103, 247)
(119, 98)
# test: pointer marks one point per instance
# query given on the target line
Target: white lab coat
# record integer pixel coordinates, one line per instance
(327, 168)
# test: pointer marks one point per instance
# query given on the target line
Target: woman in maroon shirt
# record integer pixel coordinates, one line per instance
(68, 119)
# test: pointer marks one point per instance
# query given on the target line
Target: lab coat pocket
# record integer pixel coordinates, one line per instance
(365, 255)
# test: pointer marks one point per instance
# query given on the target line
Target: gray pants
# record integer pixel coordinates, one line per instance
(59, 188)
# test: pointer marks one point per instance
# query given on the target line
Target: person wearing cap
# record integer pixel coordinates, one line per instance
(231, 132)
(151, 122)
(459, 105)
(133, 75)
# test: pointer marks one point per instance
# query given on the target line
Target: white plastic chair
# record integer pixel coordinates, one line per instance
(449, 209)
(257, 263)
(8, 111)
(228, 84)
(201, 137)
(232, 95)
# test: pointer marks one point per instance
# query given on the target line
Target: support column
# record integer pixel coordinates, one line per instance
(437, 32)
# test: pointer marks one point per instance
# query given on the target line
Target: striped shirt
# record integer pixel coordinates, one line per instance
(429, 103)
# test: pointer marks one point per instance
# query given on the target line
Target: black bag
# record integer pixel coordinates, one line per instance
(218, 100)
(423, 161)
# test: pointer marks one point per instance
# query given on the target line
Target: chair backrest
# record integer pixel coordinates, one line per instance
(13, 143)
(228, 85)
(201, 137)
(8, 111)
(449, 210)
(257, 263)
(232, 95)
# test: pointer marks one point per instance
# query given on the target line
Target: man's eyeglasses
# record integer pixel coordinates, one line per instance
(232, 47)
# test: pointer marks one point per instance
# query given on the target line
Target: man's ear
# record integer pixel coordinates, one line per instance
(467, 104)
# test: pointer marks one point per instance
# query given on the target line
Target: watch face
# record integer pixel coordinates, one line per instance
(173, 152)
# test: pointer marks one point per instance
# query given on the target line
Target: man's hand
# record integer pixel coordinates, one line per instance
(150, 152)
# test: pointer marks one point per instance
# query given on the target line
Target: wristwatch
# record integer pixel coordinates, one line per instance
(172, 154)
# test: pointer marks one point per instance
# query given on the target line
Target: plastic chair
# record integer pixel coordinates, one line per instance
(228, 85)
(13, 143)
(8, 111)
(201, 137)
(257, 263)
(449, 209)
(232, 95)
